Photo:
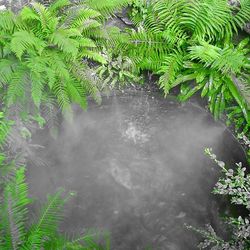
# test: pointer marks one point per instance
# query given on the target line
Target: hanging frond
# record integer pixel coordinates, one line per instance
(171, 67)
(61, 94)
(43, 231)
(13, 214)
(16, 86)
(39, 47)
(87, 81)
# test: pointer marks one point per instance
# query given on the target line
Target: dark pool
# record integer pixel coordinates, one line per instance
(138, 167)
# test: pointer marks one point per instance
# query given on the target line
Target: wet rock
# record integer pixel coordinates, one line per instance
(236, 3)
(14, 5)
(247, 28)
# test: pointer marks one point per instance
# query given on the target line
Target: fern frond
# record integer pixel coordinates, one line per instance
(6, 70)
(205, 52)
(107, 7)
(14, 211)
(46, 18)
(77, 93)
(16, 88)
(50, 112)
(58, 65)
(7, 21)
(95, 56)
(61, 94)
(208, 19)
(165, 14)
(84, 16)
(29, 14)
(58, 5)
(86, 42)
(87, 81)
(46, 225)
(227, 60)
(37, 86)
(77, 15)
(230, 61)
(146, 43)
(243, 14)
(23, 40)
(171, 67)
(62, 39)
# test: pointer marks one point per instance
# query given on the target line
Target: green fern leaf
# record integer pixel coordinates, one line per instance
(7, 21)
(46, 225)
(68, 45)
(58, 5)
(107, 7)
(23, 40)
(13, 214)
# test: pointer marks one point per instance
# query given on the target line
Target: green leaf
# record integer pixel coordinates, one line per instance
(23, 40)
(238, 98)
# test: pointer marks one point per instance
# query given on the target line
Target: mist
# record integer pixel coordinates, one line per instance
(137, 165)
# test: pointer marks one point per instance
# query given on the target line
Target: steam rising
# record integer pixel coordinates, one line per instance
(138, 167)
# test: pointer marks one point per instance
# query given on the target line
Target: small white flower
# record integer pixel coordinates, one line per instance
(221, 164)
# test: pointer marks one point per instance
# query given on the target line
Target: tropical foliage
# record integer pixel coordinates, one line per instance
(118, 72)
(19, 233)
(54, 53)
(44, 55)
(191, 44)
(41, 54)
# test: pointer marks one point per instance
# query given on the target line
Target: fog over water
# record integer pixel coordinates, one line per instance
(138, 166)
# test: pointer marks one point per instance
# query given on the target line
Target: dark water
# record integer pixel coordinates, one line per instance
(138, 167)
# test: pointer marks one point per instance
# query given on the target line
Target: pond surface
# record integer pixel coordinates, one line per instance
(137, 164)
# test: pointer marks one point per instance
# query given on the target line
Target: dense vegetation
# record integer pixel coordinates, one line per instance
(192, 44)
(43, 68)
(235, 184)
(57, 54)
